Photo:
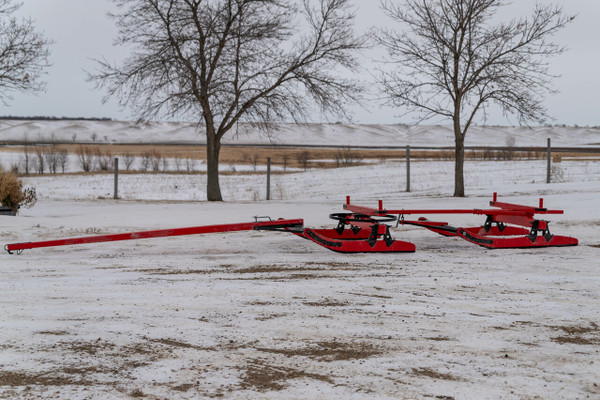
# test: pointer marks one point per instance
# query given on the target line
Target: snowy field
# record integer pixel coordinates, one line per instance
(311, 134)
(266, 315)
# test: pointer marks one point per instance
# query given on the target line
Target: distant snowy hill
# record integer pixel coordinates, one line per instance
(313, 134)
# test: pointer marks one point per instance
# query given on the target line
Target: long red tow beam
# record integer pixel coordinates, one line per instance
(196, 230)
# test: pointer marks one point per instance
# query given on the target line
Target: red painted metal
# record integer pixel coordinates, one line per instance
(282, 223)
(503, 209)
(346, 234)
(495, 233)
(517, 241)
(358, 245)
(365, 229)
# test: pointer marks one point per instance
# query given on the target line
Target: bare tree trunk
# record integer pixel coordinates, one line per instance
(459, 160)
(213, 147)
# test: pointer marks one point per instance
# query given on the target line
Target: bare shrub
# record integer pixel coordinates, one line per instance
(303, 158)
(51, 158)
(487, 154)
(128, 159)
(146, 160)
(346, 157)
(155, 160)
(12, 193)
(164, 163)
(105, 160)
(190, 164)
(509, 153)
(26, 160)
(177, 162)
(63, 157)
(85, 156)
(284, 160)
(39, 161)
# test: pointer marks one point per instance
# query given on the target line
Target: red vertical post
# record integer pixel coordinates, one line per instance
(380, 205)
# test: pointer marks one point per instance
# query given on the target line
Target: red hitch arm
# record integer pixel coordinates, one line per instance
(196, 230)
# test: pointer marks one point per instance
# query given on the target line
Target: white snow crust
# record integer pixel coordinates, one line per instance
(267, 315)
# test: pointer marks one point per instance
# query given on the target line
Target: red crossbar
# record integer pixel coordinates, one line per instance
(507, 209)
(156, 233)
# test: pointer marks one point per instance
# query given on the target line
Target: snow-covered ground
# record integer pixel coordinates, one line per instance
(266, 315)
(313, 134)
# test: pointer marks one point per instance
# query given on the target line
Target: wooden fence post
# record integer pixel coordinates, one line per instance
(268, 178)
(408, 168)
(116, 191)
(549, 166)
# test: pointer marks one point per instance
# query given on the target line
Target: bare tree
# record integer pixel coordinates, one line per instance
(23, 53)
(221, 62)
(453, 63)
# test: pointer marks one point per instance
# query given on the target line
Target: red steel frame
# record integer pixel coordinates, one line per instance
(369, 232)
(489, 236)
(505, 209)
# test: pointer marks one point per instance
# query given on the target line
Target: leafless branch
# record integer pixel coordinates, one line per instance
(221, 62)
(24, 53)
(452, 62)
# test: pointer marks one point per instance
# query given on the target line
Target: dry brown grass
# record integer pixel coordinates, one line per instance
(293, 157)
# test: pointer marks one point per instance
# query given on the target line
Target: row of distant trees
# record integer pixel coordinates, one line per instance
(53, 159)
(221, 62)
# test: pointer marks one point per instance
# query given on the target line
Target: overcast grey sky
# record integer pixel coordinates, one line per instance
(81, 31)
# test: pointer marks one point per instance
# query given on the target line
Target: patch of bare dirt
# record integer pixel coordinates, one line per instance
(272, 269)
(53, 333)
(431, 373)
(582, 335)
(281, 278)
(261, 377)
(24, 378)
(327, 302)
(330, 351)
(376, 296)
(438, 338)
(180, 344)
